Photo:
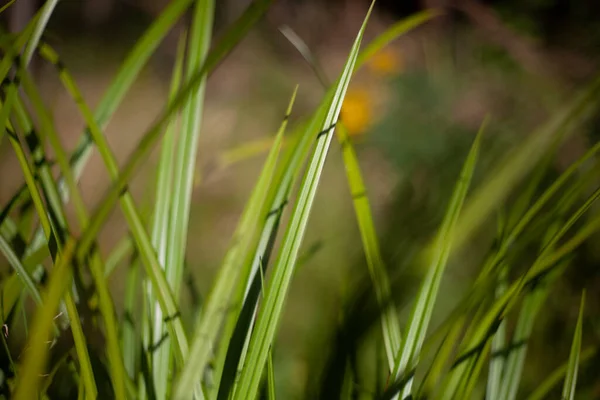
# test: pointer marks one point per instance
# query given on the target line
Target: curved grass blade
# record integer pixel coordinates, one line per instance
(243, 244)
(183, 180)
(544, 389)
(269, 315)
(423, 308)
(568, 392)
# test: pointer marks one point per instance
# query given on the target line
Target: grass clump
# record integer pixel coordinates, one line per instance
(478, 350)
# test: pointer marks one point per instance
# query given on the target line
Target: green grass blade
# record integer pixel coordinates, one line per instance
(34, 358)
(183, 179)
(568, 392)
(40, 26)
(555, 377)
(497, 364)
(243, 242)
(423, 308)
(270, 313)
(230, 355)
(20, 271)
(152, 327)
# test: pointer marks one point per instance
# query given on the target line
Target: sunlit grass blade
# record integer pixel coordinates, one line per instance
(423, 308)
(183, 180)
(568, 392)
(231, 271)
(40, 25)
(555, 377)
(270, 312)
(498, 343)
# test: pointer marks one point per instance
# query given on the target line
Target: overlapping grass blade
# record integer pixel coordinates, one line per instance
(95, 263)
(270, 313)
(390, 325)
(34, 358)
(183, 181)
(231, 271)
(152, 326)
(230, 355)
(498, 343)
(20, 271)
(423, 308)
(543, 264)
(568, 392)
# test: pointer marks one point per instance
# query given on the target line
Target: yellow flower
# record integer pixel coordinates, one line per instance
(357, 113)
(386, 62)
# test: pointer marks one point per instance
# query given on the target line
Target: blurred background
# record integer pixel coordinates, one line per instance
(412, 113)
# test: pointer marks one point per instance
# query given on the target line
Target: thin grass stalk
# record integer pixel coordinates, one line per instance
(568, 392)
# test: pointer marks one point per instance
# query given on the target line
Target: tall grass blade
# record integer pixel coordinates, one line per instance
(568, 392)
(423, 308)
(183, 180)
(152, 326)
(270, 313)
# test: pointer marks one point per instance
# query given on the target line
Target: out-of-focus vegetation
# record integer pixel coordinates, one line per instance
(178, 219)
